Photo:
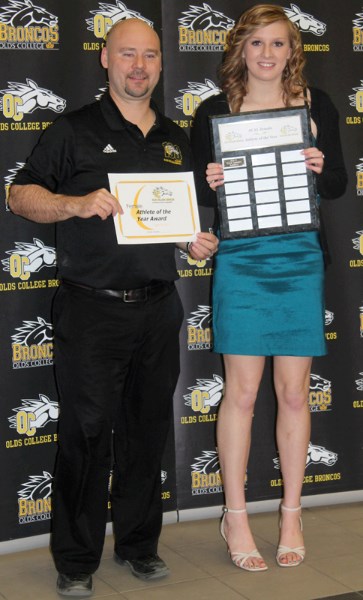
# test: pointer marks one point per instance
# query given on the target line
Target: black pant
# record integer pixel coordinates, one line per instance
(117, 366)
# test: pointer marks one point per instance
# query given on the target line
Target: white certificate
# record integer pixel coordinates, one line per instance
(260, 133)
(158, 207)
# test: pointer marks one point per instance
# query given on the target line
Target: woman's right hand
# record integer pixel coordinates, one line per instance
(214, 175)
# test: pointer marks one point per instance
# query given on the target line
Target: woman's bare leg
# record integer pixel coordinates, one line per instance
(292, 380)
(243, 376)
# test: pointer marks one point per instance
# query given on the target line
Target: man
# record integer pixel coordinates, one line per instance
(116, 316)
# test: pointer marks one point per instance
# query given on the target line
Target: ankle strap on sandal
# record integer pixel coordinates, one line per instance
(290, 509)
(232, 510)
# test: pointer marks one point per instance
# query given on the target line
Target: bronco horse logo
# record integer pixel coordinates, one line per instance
(31, 97)
(207, 463)
(304, 21)
(316, 455)
(358, 23)
(319, 383)
(41, 411)
(204, 17)
(358, 240)
(320, 455)
(359, 383)
(212, 390)
(329, 317)
(115, 13)
(23, 13)
(200, 92)
(358, 94)
(37, 256)
(33, 333)
(38, 487)
(13, 172)
(202, 317)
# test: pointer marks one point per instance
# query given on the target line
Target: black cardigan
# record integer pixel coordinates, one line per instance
(331, 183)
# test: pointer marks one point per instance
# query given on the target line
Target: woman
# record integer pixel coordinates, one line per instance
(267, 290)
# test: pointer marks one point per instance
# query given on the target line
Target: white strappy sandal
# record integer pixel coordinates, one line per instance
(283, 550)
(240, 558)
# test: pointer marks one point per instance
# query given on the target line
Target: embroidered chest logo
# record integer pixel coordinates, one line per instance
(172, 153)
(109, 149)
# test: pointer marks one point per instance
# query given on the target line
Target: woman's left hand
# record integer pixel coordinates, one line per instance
(314, 159)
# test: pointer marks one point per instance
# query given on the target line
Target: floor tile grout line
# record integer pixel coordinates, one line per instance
(163, 584)
(232, 589)
(320, 572)
(344, 596)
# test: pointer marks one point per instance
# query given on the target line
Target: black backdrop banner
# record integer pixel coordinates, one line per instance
(50, 64)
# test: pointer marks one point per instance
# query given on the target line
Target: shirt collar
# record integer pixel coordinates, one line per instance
(116, 121)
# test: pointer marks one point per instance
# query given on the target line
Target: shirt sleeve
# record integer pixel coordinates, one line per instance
(50, 162)
(332, 182)
(202, 155)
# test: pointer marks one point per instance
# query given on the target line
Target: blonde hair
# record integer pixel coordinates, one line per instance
(233, 72)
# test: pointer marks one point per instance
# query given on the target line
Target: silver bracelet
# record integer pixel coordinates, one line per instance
(188, 246)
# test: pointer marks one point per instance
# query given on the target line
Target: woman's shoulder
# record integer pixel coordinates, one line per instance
(214, 105)
(319, 97)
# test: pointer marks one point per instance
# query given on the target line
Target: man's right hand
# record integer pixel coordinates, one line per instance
(38, 204)
(99, 203)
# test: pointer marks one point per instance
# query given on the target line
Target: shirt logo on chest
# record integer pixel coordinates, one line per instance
(109, 149)
(172, 153)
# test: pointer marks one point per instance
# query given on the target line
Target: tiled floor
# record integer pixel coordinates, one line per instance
(201, 569)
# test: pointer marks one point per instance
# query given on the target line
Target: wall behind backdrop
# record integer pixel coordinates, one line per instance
(50, 64)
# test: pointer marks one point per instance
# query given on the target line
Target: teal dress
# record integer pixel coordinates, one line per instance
(268, 296)
(268, 292)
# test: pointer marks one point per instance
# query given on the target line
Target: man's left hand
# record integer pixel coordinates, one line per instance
(205, 246)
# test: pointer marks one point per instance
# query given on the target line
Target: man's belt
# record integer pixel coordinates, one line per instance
(133, 295)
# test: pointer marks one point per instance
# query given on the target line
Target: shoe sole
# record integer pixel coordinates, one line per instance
(144, 576)
(76, 593)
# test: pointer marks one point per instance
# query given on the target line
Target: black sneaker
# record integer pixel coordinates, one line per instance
(75, 584)
(145, 567)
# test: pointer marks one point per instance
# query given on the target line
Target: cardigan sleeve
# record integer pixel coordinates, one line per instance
(332, 182)
(201, 142)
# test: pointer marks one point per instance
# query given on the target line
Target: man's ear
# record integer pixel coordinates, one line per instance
(104, 57)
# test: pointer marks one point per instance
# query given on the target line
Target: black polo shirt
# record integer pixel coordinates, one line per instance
(73, 157)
